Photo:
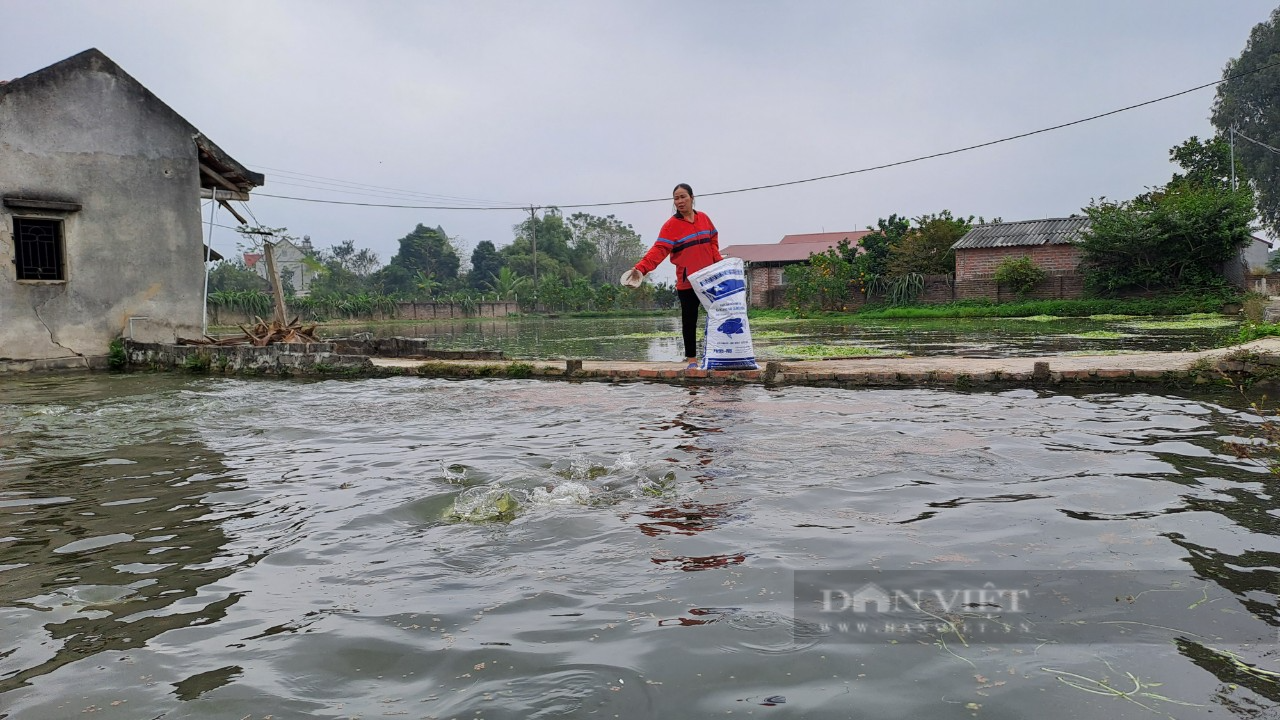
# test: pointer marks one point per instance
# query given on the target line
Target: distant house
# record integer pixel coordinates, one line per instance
(1252, 259)
(1053, 245)
(765, 263)
(100, 222)
(1050, 243)
(293, 261)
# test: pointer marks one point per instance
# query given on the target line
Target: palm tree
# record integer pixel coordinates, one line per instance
(426, 285)
(508, 284)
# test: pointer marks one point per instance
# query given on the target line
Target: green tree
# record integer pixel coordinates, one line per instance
(1249, 102)
(1205, 163)
(549, 231)
(574, 257)
(509, 285)
(426, 286)
(1173, 240)
(1021, 274)
(926, 248)
(873, 261)
(359, 262)
(345, 270)
(826, 282)
(427, 250)
(392, 280)
(617, 246)
(486, 263)
(235, 276)
(552, 293)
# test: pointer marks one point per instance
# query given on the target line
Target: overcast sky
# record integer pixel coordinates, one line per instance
(591, 101)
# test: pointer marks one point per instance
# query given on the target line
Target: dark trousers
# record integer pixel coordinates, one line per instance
(689, 321)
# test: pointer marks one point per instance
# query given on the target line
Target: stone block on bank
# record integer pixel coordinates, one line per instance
(1115, 373)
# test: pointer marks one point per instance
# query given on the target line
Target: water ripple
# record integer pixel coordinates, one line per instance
(512, 548)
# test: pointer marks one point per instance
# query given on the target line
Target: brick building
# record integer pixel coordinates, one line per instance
(1049, 243)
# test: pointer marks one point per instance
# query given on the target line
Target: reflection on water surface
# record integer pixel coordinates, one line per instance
(214, 548)
(658, 338)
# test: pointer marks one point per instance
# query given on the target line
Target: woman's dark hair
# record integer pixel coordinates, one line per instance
(686, 188)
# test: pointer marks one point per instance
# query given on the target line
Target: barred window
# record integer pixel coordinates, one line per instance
(38, 249)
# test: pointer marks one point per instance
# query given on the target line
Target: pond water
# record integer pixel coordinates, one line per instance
(658, 338)
(183, 547)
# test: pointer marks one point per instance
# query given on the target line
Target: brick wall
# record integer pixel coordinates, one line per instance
(765, 283)
(982, 262)
(1268, 284)
(974, 278)
(976, 267)
(1067, 286)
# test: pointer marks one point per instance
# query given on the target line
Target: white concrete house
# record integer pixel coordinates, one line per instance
(95, 173)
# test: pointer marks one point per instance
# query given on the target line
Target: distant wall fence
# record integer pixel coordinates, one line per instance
(941, 289)
(404, 311)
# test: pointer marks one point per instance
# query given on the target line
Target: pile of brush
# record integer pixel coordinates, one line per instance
(262, 334)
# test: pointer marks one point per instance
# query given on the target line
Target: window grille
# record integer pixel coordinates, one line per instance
(38, 249)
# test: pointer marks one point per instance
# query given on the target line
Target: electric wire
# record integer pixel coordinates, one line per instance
(343, 184)
(1255, 142)
(351, 191)
(769, 186)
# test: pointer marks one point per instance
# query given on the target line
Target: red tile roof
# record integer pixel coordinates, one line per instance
(251, 259)
(827, 237)
(793, 248)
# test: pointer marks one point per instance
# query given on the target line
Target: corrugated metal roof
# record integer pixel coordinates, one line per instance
(1051, 231)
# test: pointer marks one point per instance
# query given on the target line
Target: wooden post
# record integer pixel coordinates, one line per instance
(276, 286)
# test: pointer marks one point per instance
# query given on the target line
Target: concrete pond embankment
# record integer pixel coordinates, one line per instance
(1257, 361)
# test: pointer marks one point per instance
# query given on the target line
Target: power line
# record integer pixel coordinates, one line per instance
(1255, 142)
(292, 175)
(353, 190)
(921, 158)
(522, 208)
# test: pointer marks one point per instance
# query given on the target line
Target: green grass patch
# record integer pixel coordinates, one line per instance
(1177, 305)
(116, 357)
(1255, 331)
(197, 363)
(519, 370)
(1190, 322)
(615, 313)
(1100, 335)
(825, 352)
(1103, 352)
(644, 335)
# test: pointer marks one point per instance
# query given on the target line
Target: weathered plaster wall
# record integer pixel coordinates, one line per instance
(133, 250)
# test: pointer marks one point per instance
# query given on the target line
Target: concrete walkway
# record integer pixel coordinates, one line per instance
(1255, 358)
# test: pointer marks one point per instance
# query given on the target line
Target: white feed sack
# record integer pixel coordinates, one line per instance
(722, 290)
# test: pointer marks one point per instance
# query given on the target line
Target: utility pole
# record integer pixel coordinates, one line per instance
(1233, 157)
(269, 248)
(533, 233)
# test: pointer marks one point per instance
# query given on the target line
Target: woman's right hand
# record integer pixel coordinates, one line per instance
(632, 278)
